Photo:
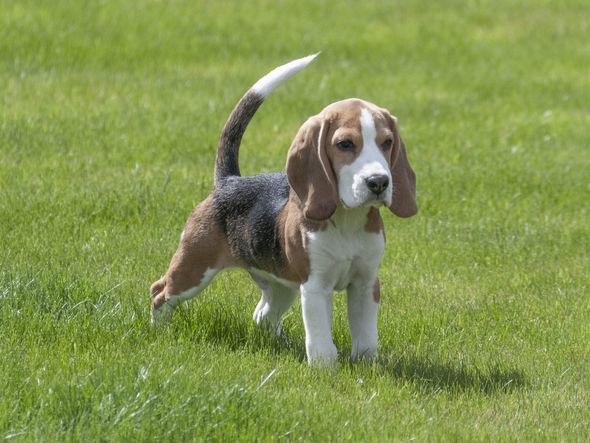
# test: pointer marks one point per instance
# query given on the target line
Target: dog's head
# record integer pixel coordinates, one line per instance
(351, 154)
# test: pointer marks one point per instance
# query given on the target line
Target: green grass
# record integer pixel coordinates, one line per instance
(109, 118)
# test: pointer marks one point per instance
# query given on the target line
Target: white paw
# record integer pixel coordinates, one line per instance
(262, 318)
(365, 353)
(322, 355)
(161, 315)
(259, 312)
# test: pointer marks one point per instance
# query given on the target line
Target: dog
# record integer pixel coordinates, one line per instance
(314, 229)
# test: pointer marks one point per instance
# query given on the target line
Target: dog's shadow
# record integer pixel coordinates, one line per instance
(234, 331)
(451, 376)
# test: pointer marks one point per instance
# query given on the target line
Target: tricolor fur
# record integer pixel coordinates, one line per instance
(309, 231)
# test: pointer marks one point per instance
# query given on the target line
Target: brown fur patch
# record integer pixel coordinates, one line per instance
(345, 118)
(377, 291)
(310, 172)
(203, 246)
(295, 229)
(374, 221)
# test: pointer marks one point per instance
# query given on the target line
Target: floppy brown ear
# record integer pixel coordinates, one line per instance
(403, 201)
(309, 170)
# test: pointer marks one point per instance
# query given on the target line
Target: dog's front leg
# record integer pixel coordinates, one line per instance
(316, 302)
(363, 303)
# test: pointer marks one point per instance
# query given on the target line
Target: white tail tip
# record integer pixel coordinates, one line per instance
(274, 78)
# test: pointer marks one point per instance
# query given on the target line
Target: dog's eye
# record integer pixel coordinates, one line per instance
(387, 144)
(345, 145)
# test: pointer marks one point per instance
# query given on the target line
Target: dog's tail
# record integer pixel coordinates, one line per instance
(226, 162)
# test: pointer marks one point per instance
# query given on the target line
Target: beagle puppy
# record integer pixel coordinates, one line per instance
(311, 230)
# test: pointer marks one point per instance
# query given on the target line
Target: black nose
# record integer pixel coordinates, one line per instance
(377, 183)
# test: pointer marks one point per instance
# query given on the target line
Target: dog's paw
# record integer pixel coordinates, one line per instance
(322, 356)
(259, 312)
(367, 355)
(263, 318)
(161, 315)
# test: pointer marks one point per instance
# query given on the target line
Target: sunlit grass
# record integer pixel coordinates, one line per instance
(109, 118)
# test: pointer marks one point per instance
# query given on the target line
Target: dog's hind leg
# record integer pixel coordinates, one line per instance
(276, 299)
(201, 254)
(169, 297)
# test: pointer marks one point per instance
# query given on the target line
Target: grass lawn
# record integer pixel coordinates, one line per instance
(109, 118)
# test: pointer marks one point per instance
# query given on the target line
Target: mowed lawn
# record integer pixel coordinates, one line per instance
(109, 117)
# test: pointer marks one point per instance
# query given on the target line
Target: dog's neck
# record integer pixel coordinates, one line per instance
(350, 220)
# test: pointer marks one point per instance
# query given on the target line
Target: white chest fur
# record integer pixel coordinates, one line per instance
(345, 251)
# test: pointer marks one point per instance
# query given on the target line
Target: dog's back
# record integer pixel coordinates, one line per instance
(247, 209)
